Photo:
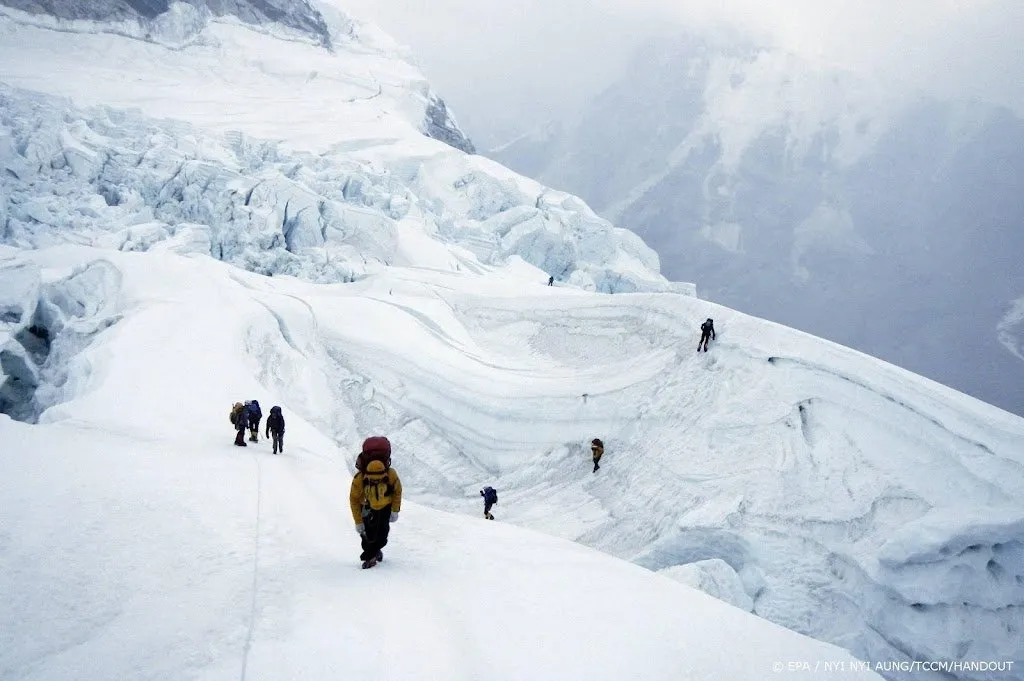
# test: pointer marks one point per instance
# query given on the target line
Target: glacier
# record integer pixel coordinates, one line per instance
(824, 490)
(128, 182)
(249, 213)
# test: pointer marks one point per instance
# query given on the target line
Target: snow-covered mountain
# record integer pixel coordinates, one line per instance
(200, 209)
(262, 147)
(791, 190)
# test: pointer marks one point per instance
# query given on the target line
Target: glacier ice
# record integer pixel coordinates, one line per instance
(120, 180)
(47, 324)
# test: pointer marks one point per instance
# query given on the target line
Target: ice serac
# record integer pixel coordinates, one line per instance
(44, 327)
(273, 153)
(124, 181)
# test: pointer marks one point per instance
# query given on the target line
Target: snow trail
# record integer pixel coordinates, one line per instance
(255, 566)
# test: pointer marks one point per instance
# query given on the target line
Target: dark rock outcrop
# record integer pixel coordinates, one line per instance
(441, 126)
(295, 14)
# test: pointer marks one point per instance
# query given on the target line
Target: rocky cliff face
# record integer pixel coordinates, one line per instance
(441, 125)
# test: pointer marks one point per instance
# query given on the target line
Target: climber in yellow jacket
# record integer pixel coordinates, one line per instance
(375, 498)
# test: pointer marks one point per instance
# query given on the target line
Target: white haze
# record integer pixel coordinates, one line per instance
(507, 66)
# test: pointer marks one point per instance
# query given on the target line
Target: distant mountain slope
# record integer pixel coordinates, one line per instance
(793, 191)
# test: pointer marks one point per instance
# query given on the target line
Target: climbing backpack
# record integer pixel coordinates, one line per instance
(490, 495)
(275, 421)
(254, 410)
(377, 486)
(235, 411)
(374, 449)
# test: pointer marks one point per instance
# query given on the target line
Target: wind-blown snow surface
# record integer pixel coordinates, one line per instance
(837, 495)
(139, 543)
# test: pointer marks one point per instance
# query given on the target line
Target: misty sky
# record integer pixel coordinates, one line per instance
(502, 62)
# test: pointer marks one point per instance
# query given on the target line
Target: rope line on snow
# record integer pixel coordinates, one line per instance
(255, 567)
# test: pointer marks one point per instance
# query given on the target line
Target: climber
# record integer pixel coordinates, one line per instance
(255, 416)
(707, 332)
(375, 498)
(490, 499)
(597, 450)
(275, 428)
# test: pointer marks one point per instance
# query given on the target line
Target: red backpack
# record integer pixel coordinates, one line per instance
(374, 449)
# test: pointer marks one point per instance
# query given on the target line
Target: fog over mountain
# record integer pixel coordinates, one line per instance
(511, 66)
(808, 196)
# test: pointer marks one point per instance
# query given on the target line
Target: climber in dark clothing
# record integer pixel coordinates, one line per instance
(255, 416)
(240, 417)
(490, 499)
(275, 428)
(707, 332)
(597, 451)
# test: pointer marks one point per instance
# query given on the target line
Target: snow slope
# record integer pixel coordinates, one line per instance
(222, 74)
(848, 499)
(139, 543)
